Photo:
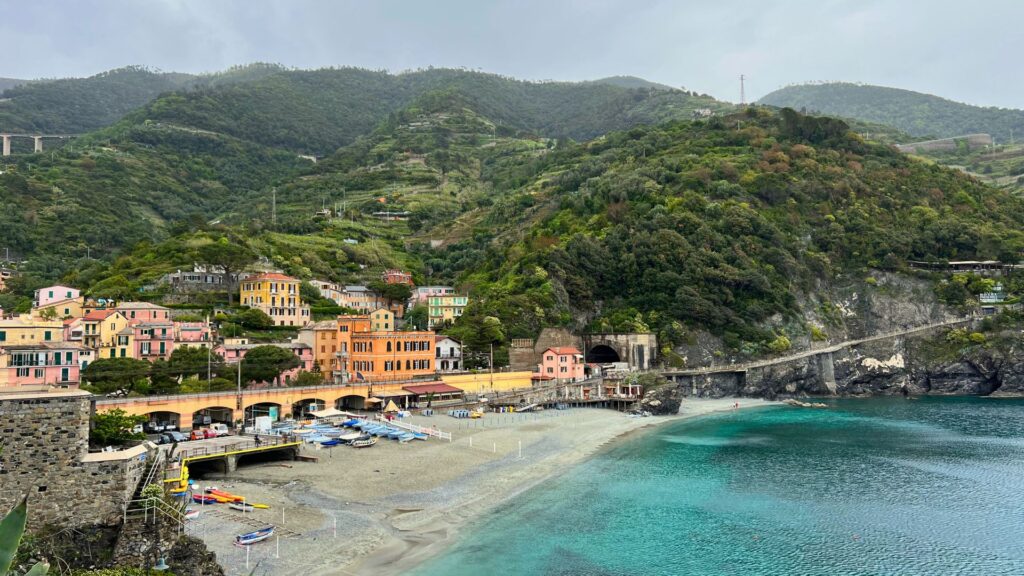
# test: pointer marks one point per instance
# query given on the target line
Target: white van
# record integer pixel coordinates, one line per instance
(220, 428)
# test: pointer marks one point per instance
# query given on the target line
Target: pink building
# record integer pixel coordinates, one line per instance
(52, 294)
(144, 312)
(192, 334)
(153, 340)
(563, 363)
(233, 352)
(40, 364)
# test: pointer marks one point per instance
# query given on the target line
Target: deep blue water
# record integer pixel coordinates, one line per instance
(880, 486)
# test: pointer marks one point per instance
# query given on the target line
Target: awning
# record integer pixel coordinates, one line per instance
(373, 400)
(438, 388)
(326, 413)
(392, 393)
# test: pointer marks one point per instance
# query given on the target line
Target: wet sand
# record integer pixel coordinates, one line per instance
(382, 510)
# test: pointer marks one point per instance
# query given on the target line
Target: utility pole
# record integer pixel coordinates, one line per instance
(490, 366)
(743, 92)
(273, 207)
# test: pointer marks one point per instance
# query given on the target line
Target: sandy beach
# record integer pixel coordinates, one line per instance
(385, 509)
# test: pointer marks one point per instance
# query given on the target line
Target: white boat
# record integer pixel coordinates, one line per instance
(364, 443)
(241, 506)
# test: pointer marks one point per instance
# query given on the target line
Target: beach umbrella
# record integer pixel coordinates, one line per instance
(391, 407)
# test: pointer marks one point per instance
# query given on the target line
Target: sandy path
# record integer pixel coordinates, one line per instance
(394, 505)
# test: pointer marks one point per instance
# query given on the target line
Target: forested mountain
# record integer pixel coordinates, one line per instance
(632, 82)
(6, 83)
(921, 115)
(729, 225)
(318, 111)
(78, 105)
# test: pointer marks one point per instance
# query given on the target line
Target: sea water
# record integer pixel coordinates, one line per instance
(878, 486)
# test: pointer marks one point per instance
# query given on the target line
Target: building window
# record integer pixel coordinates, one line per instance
(22, 372)
(47, 335)
(39, 372)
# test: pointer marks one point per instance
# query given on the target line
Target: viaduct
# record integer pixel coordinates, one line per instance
(37, 140)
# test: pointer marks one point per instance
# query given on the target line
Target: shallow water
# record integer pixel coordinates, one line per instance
(880, 486)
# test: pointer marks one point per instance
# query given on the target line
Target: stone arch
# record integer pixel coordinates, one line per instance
(301, 408)
(272, 409)
(350, 402)
(164, 417)
(221, 414)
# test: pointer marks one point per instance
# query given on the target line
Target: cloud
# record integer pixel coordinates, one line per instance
(939, 46)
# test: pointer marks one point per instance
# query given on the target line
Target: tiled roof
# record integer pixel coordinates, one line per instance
(273, 276)
(97, 315)
(564, 350)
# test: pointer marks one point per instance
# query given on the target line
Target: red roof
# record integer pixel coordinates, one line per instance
(273, 276)
(99, 314)
(564, 350)
(438, 388)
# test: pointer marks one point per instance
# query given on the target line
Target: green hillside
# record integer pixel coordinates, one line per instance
(6, 83)
(318, 111)
(729, 225)
(921, 115)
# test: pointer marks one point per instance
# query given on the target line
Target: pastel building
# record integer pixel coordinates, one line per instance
(232, 353)
(397, 277)
(195, 334)
(322, 337)
(421, 294)
(51, 294)
(29, 330)
(63, 308)
(277, 296)
(447, 354)
(563, 363)
(39, 364)
(369, 349)
(445, 308)
(106, 332)
(151, 340)
(144, 312)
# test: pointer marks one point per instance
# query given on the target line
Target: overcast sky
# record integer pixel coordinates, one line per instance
(967, 51)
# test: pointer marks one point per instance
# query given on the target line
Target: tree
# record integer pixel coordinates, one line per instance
(115, 428)
(188, 361)
(416, 318)
(108, 375)
(308, 379)
(393, 292)
(254, 319)
(228, 257)
(267, 363)
(48, 314)
(309, 293)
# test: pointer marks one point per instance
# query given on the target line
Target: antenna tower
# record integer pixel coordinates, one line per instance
(743, 93)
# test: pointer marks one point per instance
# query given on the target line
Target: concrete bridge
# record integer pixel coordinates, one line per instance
(37, 140)
(821, 358)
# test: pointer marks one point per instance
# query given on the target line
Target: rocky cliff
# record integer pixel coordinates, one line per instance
(922, 364)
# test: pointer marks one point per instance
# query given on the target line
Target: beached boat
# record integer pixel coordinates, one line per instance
(203, 499)
(254, 537)
(394, 434)
(350, 437)
(364, 443)
(223, 496)
(406, 436)
(191, 514)
(241, 506)
(330, 442)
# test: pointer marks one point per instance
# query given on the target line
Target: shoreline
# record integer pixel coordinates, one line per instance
(389, 509)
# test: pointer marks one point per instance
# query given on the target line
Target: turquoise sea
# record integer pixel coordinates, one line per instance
(879, 486)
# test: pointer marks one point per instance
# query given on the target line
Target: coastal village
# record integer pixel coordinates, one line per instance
(365, 378)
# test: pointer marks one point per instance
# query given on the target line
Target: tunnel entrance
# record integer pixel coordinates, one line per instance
(602, 354)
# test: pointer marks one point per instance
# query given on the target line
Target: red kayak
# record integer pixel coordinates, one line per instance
(203, 499)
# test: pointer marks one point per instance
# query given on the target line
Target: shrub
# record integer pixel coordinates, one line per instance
(780, 344)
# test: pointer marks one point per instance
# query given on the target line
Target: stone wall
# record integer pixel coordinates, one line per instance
(526, 359)
(45, 439)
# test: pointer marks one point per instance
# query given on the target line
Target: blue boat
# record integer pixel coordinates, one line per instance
(331, 442)
(254, 537)
(394, 434)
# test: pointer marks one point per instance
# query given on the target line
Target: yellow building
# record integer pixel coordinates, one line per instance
(382, 320)
(29, 330)
(443, 308)
(277, 296)
(66, 308)
(108, 333)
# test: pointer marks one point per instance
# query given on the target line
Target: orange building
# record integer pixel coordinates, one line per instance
(369, 349)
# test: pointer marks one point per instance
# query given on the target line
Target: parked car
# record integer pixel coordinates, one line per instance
(169, 425)
(138, 429)
(152, 427)
(220, 429)
(171, 437)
